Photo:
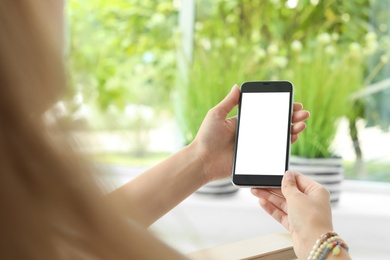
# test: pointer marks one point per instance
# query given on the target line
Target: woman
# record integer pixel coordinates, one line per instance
(51, 207)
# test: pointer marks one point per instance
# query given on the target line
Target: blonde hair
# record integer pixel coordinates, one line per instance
(50, 205)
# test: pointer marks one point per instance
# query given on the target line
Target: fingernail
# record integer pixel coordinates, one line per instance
(289, 175)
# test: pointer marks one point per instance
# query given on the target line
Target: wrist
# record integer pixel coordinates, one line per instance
(305, 241)
(327, 246)
(197, 154)
(311, 230)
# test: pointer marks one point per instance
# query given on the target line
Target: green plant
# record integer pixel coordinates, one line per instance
(242, 40)
(122, 52)
(210, 79)
(325, 75)
(121, 62)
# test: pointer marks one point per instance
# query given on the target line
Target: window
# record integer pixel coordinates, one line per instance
(124, 73)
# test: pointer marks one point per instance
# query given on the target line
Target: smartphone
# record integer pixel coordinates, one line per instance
(262, 145)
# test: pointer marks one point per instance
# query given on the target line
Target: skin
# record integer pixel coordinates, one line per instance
(209, 157)
(303, 207)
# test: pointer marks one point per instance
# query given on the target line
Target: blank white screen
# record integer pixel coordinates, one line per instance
(263, 133)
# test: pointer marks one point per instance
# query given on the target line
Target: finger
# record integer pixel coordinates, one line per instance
(289, 184)
(297, 128)
(277, 192)
(232, 119)
(297, 106)
(266, 192)
(305, 184)
(300, 116)
(229, 102)
(274, 212)
(294, 138)
(231, 123)
(276, 199)
(294, 182)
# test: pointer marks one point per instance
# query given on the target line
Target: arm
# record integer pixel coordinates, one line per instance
(161, 188)
(303, 207)
(208, 157)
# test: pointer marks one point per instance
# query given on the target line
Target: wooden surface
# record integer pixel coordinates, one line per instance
(268, 247)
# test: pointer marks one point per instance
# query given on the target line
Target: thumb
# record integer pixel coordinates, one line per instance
(230, 101)
(289, 184)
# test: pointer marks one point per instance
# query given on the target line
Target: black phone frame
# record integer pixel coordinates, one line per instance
(273, 181)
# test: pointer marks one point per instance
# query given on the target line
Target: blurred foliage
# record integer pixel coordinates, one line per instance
(121, 62)
(282, 21)
(122, 59)
(129, 159)
(122, 52)
(322, 47)
(325, 73)
(375, 170)
(377, 106)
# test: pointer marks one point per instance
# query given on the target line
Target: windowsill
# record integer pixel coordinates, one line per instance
(361, 217)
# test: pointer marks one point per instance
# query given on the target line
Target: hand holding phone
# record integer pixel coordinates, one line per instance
(262, 146)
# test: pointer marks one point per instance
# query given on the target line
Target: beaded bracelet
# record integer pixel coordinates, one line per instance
(329, 241)
(321, 240)
(331, 244)
(334, 247)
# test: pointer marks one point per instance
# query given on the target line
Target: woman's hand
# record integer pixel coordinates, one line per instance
(215, 139)
(302, 206)
(207, 158)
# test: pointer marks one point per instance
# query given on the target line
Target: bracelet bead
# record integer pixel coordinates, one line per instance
(328, 242)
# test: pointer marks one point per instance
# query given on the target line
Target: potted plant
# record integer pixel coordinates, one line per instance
(237, 44)
(325, 74)
(210, 78)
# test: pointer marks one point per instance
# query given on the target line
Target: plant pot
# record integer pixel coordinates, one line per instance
(218, 187)
(326, 171)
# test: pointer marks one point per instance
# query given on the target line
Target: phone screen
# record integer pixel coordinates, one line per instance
(263, 133)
